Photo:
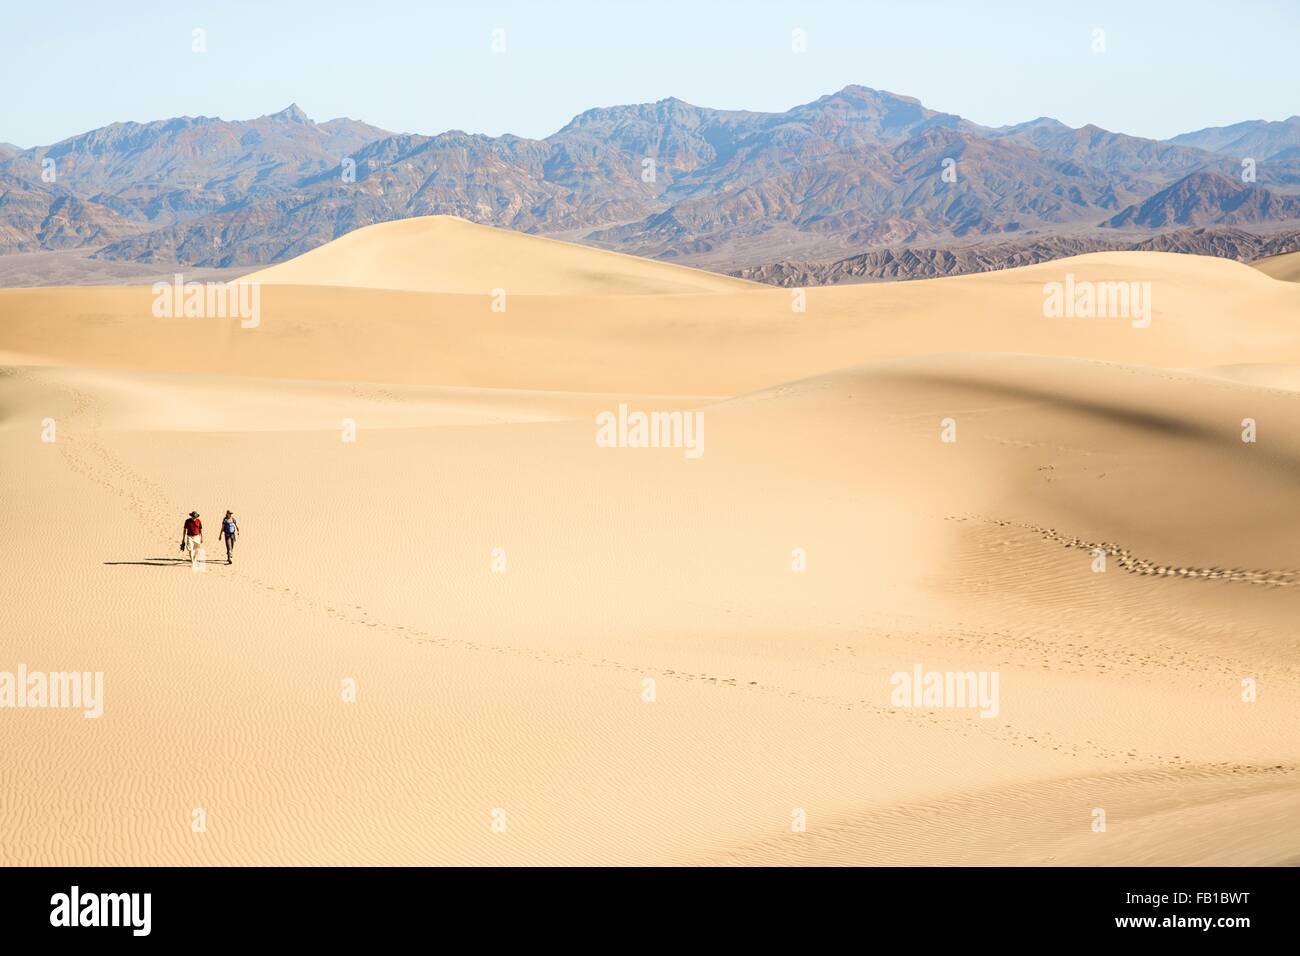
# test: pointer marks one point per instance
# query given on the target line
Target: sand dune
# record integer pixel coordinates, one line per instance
(452, 255)
(522, 690)
(1205, 312)
(1285, 267)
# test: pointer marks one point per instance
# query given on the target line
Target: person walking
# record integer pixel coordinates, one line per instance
(192, 537)
(229, 531)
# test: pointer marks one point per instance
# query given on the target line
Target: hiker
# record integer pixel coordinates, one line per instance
(229, 529)
(192, 537)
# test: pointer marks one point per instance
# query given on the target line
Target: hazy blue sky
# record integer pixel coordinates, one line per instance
(1169, 65)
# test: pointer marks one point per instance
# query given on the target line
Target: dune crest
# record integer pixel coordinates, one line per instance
(451, 255)
(1285, 267)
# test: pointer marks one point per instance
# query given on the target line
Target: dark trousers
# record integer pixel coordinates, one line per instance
(230, 546)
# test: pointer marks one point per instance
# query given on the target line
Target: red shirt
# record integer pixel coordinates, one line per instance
(193, 527)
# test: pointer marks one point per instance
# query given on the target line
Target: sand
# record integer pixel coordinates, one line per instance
(449, 254)
(500, 589)
(1285, 266)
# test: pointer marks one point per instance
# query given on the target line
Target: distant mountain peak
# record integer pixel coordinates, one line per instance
(858, 89)
(292, 114)
(1259, 139)
(1038, 122)
(1208, 198)
(856, 93)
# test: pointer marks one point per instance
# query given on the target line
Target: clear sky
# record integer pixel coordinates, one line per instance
(1169, 66)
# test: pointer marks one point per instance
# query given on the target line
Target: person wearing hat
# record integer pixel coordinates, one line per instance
(229, 530)
(192, 537)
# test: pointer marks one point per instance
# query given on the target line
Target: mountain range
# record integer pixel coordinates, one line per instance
(860, 173)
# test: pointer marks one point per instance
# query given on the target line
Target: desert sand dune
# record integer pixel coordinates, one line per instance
(522, 690)
(1285, 267)
(1205, 312)
(452, 255)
